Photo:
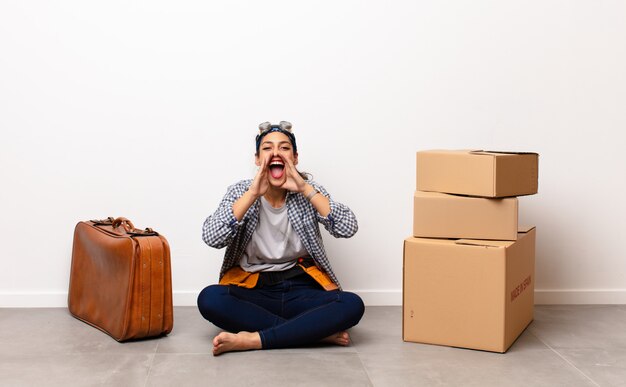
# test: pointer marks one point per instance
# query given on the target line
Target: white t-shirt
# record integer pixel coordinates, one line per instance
(274, 245)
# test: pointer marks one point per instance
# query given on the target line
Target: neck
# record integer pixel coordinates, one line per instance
(275, 196)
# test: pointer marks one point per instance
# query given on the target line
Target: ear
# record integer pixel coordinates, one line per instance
(295, 158)
(257, 160)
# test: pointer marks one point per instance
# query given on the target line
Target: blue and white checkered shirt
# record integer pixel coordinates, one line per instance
(223, 230)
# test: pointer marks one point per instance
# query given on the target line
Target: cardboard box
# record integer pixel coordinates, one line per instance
(468, 293)
(477, 173)
(439, 215)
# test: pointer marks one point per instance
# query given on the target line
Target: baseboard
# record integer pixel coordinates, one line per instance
(580, 297)
(542, 297)
(370, 298)
(181, 298)
(379, 297)
(33, 299)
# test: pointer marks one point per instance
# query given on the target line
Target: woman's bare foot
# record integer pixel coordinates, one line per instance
(340, 338)
(242, 341)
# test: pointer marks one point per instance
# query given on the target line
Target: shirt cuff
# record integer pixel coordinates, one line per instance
(229, 219)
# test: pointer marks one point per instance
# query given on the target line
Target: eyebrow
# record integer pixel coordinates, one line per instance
(279, 143)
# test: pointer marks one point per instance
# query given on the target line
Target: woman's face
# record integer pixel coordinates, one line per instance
(277, 148)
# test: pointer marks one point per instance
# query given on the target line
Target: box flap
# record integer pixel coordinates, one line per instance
(524, 229)
(448, 151)
(483, 243)
(489, 152)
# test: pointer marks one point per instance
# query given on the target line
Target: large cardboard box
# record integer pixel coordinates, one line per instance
(477, 173)
(439, 215)
(468, 293)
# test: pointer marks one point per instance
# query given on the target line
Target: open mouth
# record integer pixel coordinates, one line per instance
(277, 168)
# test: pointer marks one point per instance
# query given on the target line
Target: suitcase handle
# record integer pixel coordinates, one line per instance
(107, 221)
(130, 228)
(127, 224)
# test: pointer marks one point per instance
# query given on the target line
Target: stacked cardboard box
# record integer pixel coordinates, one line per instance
(469, 268)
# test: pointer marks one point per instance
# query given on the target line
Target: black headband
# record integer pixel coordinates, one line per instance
(284, 127)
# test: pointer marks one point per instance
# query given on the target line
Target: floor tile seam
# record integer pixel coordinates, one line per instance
(367, 374)
(81, 353)
(571, 348)
(149, 369)
(181, 353)
(567, 361)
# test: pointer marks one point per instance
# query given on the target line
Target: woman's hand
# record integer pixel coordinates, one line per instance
(294, 182)
(260, 184)
(258, 188)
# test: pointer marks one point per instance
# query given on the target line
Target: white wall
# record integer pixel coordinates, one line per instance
(149, 110)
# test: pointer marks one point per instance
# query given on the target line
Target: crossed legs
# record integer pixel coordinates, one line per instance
(294, 313)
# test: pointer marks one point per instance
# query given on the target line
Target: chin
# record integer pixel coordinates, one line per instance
(277, 183)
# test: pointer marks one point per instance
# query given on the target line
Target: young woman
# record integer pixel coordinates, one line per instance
(277, 288)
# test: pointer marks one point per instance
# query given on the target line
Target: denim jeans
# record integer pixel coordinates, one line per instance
(292, 313)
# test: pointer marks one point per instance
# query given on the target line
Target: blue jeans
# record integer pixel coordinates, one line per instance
(292, 313)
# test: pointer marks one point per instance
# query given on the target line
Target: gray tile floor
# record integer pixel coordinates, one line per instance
(564, 346)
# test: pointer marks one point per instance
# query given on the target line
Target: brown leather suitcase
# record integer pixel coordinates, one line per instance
(120, 279)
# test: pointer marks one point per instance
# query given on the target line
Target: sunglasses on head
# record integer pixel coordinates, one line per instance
(282, 125)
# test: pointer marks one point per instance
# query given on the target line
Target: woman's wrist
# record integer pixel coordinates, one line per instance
(309, 191)
(241, 205)
(252, 195)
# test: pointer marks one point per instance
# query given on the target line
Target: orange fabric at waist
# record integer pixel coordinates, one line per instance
(239, 277)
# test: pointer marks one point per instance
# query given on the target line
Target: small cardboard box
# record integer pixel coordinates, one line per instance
(477, 173)
(468, 293)
(439, 215)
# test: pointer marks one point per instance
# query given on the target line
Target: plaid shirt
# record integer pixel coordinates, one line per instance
(223, 230)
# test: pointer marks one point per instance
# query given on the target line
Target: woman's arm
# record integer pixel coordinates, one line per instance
(257, 189)
(340, 221)
(220, 227)
(337, 218)
(319, 201)
(296, 183)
